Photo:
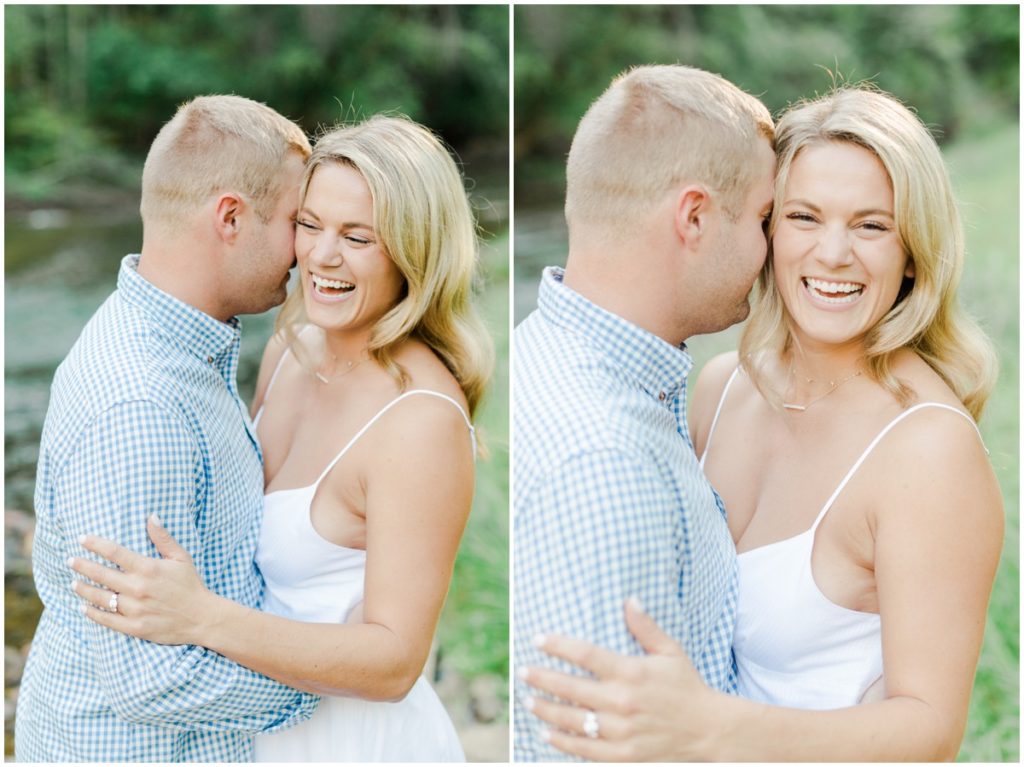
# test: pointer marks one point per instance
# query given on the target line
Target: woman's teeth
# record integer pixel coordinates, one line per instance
(834, 292)
(331, 287)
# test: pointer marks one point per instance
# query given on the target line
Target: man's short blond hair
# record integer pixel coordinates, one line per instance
(214, 144)
(656, 128)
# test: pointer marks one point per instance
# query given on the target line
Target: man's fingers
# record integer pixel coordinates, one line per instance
(110, 550)
(164, 541)
(647, 632)
(113, 579)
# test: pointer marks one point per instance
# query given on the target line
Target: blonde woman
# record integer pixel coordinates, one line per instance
(363, 409)
(842, 439)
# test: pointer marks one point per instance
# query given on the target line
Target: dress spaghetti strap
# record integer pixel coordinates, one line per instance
(270, 385)
(718, 412)
(273, 377)
(876, 440)
(386, 408)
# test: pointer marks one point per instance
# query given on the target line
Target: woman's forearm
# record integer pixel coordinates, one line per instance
(364, 660)
(894, 730)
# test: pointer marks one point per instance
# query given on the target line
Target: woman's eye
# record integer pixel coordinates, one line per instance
(875, 226)
(357, 240)
(799, 216)
(305, 225)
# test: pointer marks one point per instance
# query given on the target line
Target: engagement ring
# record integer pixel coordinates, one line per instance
(112, 605)
(591, 727)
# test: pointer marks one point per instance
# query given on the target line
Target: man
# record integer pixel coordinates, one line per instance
(669, 181)
(145, 418)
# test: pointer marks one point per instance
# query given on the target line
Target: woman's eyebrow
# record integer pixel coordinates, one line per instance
(856, 213)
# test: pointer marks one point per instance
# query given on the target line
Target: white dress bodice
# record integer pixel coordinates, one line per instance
(793, 645)
(310, 579)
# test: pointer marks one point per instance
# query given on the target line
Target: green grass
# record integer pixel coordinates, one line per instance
(984, 172)
(985, 176)
(474, 629)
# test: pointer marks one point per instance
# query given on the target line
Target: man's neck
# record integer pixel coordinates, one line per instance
(182, 270)
(629, 295)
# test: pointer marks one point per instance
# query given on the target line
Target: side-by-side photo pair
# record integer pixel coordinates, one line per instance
(505, 383)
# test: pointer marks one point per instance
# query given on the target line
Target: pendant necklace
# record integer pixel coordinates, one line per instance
(833, 385)
(349, 367)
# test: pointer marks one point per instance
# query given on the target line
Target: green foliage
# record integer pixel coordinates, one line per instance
(101, 80)
(475, 631)
(957, 65)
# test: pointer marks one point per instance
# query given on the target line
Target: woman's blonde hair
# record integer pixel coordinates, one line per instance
(927, 316)
(423, 219)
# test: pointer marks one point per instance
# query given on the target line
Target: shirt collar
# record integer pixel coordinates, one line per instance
(659, 367)
(203, 336)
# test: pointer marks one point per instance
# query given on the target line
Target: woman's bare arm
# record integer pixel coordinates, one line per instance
(418, 495)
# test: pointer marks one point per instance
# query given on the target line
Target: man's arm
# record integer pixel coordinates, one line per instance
(601, 527)
(137, 459)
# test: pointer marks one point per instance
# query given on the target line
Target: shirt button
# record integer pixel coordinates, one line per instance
(661, 396)
(210, 359)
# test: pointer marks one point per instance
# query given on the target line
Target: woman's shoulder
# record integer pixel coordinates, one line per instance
(426, 371)
(927, 385)
(712, 379)
(273, 357)
(934, 447)
(707, 393)
(422, 417)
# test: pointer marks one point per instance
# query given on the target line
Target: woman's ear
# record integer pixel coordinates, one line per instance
(909, 271)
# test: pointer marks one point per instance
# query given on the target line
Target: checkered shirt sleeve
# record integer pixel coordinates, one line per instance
(601, 528)
(138, 459)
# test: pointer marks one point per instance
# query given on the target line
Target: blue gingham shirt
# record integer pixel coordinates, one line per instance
(609, 499)
(145, 417)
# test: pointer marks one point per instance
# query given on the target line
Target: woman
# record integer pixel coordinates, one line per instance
(867, 519)
(361, 408)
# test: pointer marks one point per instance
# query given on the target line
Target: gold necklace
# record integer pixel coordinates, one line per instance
(349, 367)
(833, 385)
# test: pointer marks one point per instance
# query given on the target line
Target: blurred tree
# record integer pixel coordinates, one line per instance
(957, 65)
(88, 84)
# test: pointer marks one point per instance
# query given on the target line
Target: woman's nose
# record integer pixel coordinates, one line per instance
(325, 251)
(835, 248)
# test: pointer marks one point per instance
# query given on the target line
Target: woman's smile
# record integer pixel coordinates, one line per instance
(327, 290)
(833, 295)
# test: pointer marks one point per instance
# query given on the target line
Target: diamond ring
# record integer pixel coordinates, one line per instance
(112, 604)
(591, 727)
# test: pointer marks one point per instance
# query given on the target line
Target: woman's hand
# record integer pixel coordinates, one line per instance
(160, 600)
(648, 708)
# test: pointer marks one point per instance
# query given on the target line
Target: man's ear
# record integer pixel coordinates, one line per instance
(692, 213)
(228, 209)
